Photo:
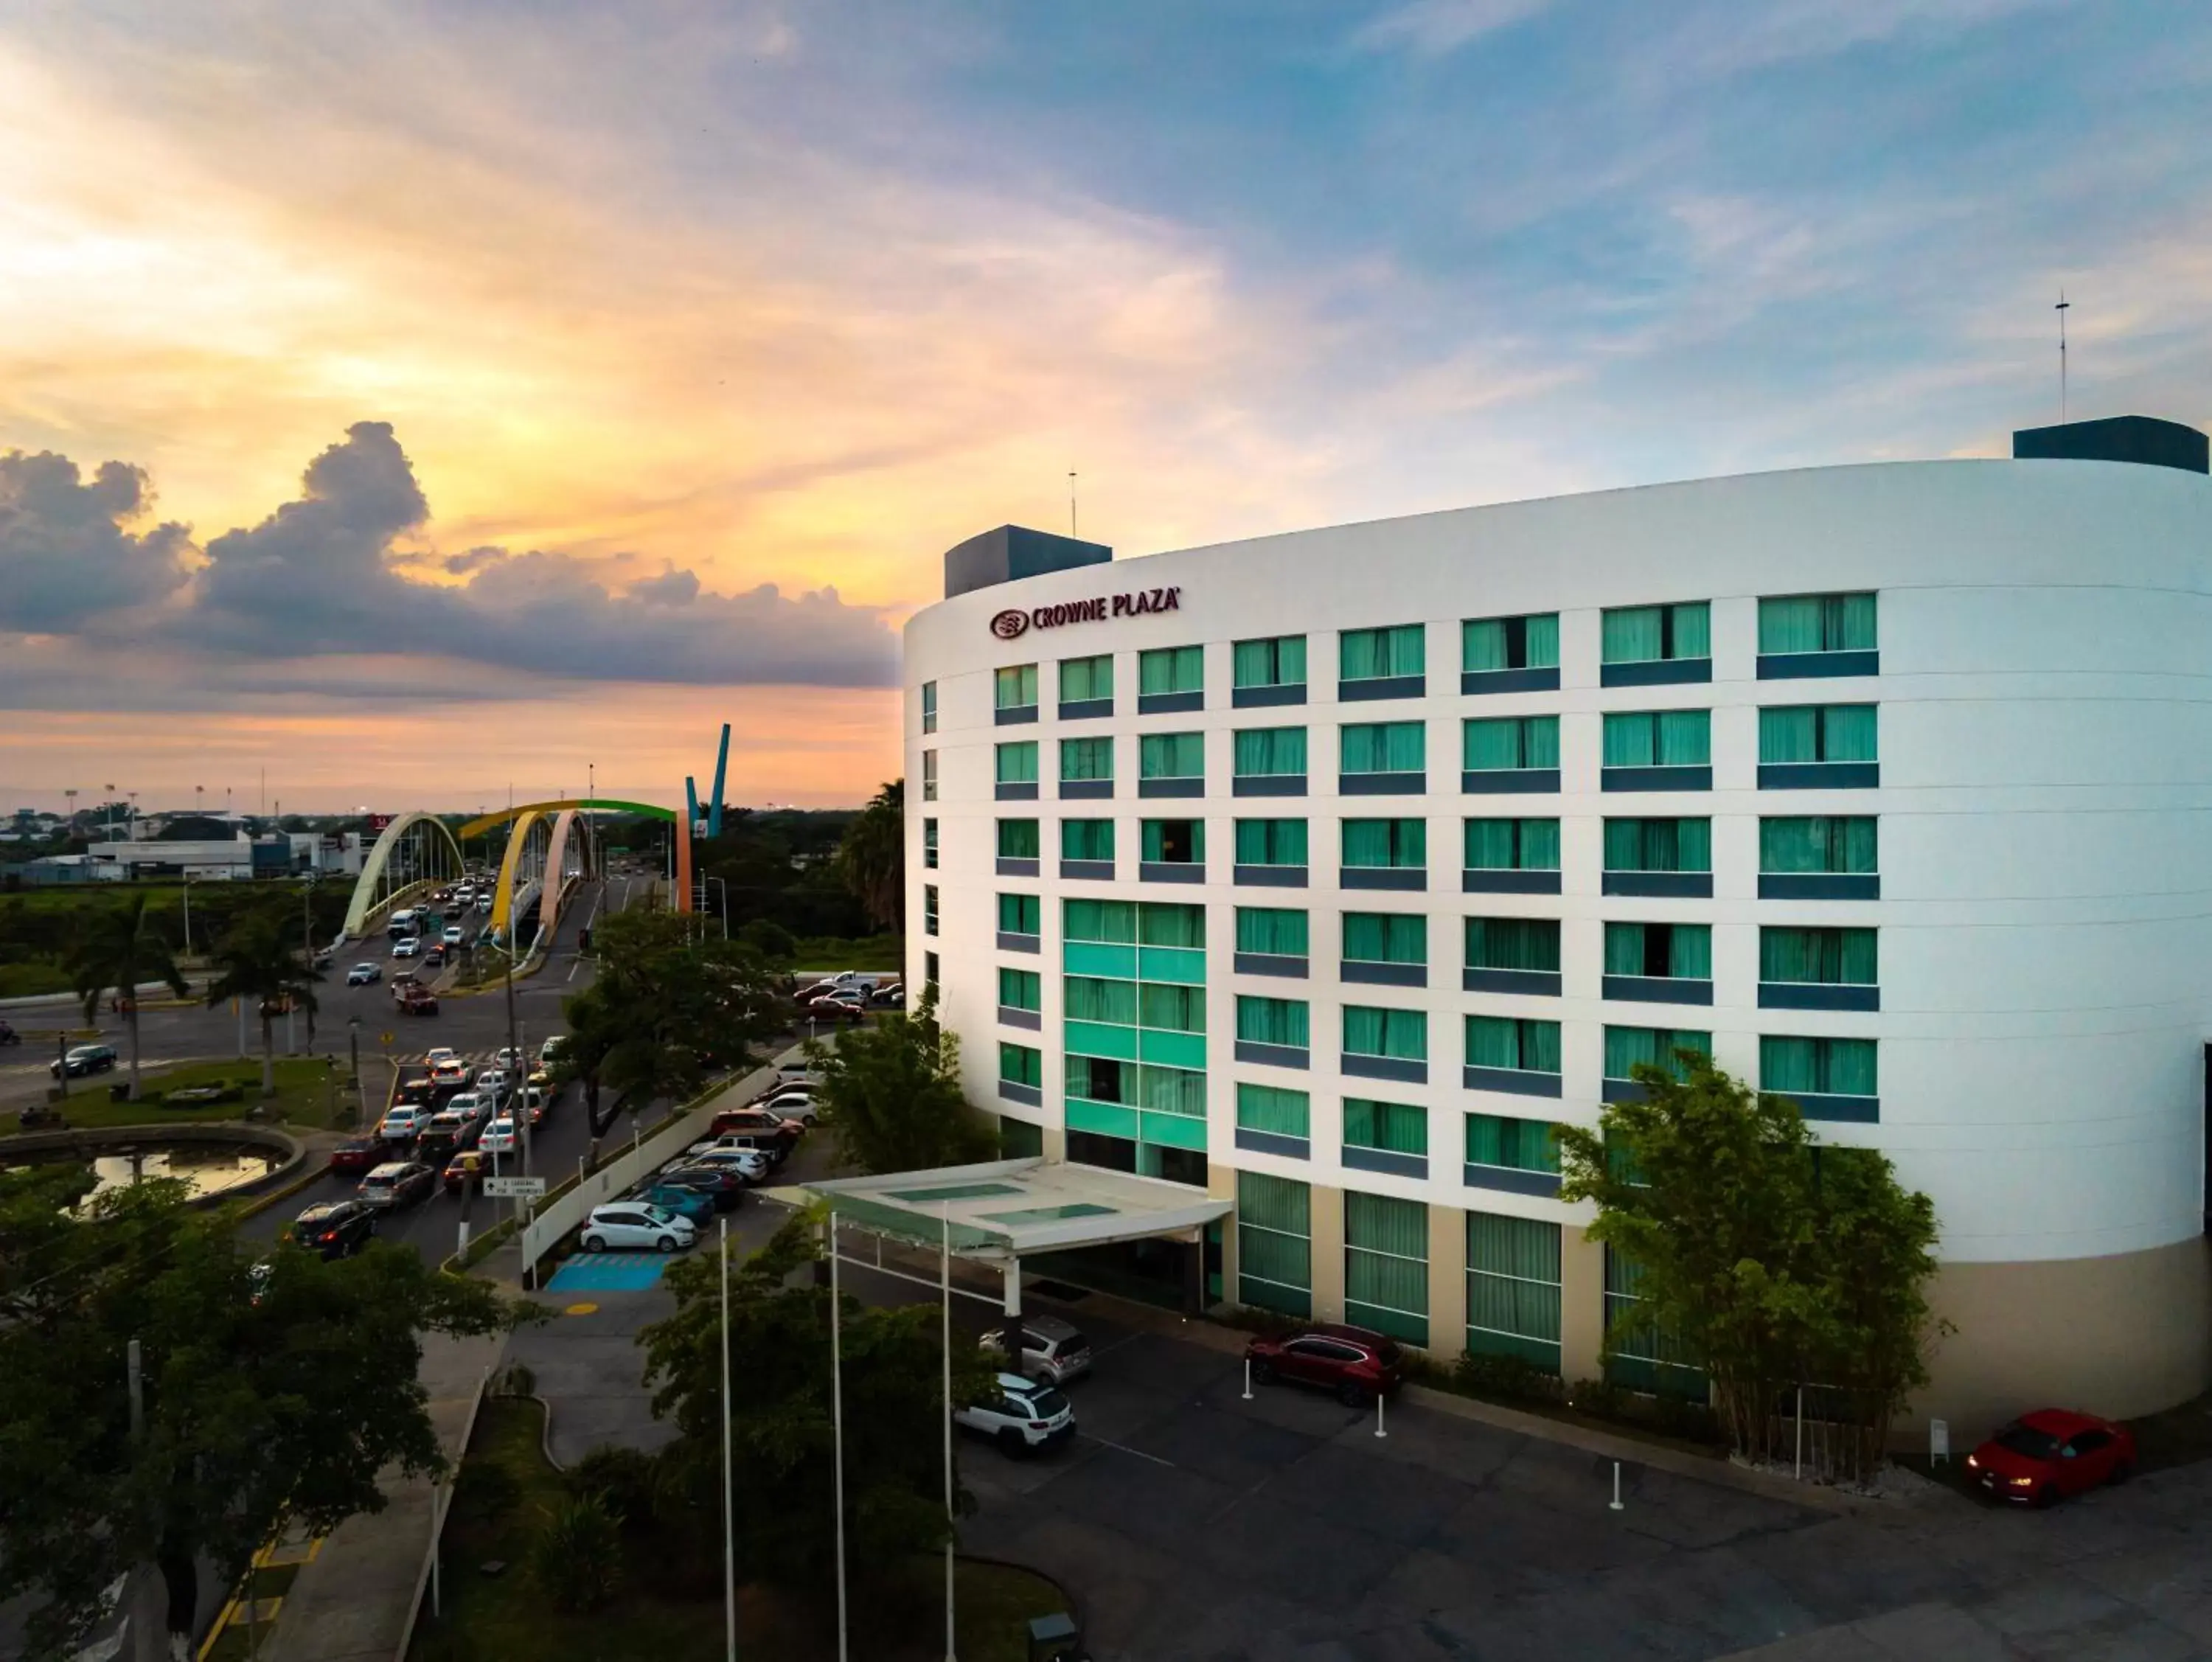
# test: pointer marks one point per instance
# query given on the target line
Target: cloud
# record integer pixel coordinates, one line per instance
(1433, 27)
(324, 578)
(64, 556)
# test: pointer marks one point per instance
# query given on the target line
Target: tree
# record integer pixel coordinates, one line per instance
(892, 1094)
(255, 961)
(261, 1402)
(120, 948)
(775, 943)
(781, 1439)
(871, 860)
(670, 1004)
(1770, 1260)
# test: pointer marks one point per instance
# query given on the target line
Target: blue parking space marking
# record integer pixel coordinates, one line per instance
(608, 1272)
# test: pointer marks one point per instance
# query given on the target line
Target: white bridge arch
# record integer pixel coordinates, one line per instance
(416, 850)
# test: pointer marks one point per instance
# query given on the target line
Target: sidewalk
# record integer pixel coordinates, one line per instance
(357, 1601)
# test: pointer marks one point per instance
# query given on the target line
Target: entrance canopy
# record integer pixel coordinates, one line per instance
(1006, 1209)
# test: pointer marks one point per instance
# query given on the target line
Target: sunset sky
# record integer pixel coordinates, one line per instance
(418, 400)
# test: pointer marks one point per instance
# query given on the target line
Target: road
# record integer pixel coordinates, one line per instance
(475, 1027)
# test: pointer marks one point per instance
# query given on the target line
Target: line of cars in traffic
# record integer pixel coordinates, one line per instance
(446, 1130)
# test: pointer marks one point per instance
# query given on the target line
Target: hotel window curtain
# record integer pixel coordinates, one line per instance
(1682, 952)
(1387, 1251)
(1090, 999)
(1273, 1021)
(1114, 922)
(1513, 943)
(1021, 913)
(1082, 679)
(1021, 1064)
(1271, 842)
(1171, 669)
(1168, 923)
(1016, 688)
(1271, 932)
(1386, 938)
(1630, 635)
(1513, 1281)
(1401, 1034)
(1266, 1108)
(1817, 623)
(1522, 1145)
(1155, 839)
(1171, 1091)
(1498, 744)
(1395, 843)
(1670, 739)
(1826, 957)
(1017, 763)
(1835, 842)
(1365, 655)
(1171, 756)
(1021, 990)
(1171, 1009)
(1395, 1127)
(1658, 845)
(1512, 845)
(1817, 1066)
(1627, 1046)
(1086, 759)
(1278, 662)
(1383, 747)
(1530, 1047)
(1271, 751)
(1086, 839)
(1018, 839)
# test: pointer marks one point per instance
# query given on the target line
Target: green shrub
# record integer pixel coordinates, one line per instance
(487, 1491)
(575, 1557)
(1506, 1379)
(628, 1483)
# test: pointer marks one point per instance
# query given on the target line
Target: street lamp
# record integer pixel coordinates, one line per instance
(725, 902)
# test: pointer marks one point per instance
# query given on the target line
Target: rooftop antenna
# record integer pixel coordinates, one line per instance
(1072, 537)
(2061, 308)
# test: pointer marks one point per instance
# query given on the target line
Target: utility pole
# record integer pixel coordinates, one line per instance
(729, 1506)
(2063, 308)
(944, 1297)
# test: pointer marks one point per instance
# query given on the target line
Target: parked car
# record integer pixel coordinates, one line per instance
(1021, 1415)
(403, 1123)
(406, 946)
(796, 1073)
(84, 1059)
(756, 1119)
(335, 1228)
(2041, 1457)
(397, 1184)
(750, 1164)
(798, 1106)
(724, 1187)
(500, 1137)
(695, 1204)
(772, 1144)
(633, 1226)
(1051, 1350)
(1357, 1363)
(468, 1168)
(357, 1155)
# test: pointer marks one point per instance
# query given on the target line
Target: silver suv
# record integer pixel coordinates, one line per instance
(1051, 1350)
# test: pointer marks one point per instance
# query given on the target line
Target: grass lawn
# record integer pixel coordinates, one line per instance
(826, 954)
(30, 980)
(306, 1089)
(506, 1615)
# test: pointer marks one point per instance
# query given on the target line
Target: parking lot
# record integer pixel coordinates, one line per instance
(1192, 1524)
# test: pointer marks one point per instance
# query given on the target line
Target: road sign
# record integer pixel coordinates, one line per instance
(515, 1187)
(386, 1039)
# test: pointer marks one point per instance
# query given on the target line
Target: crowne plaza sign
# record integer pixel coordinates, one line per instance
(1013, 624)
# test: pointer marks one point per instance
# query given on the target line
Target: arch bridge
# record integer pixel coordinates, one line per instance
(415, 853)
(541, 841)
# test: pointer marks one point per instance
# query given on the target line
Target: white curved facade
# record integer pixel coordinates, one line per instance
(2043, 808)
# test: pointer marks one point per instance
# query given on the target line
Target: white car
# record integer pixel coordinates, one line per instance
(403, 1124)
(452, 934)
(1052, 1351)
(501, 1137)
(634, 1226)
(508, 1057)
(468, 1105)
(362, 974)
(552, 1048)
(443, 1053)
(750, 1163)
(406, 946)
(1022, 1416)
(491, 1081)
(791, 1105)
(484, 906)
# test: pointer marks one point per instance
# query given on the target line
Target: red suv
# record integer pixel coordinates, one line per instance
(1357, 1363)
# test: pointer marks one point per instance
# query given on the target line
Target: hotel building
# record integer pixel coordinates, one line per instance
(1326, 871)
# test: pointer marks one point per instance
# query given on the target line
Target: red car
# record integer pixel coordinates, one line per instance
(2042, 1457)
(1357, 1363)
(358, 1155)
(419, 1001)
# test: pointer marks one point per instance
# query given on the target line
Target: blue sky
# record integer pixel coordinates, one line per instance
(726, 317)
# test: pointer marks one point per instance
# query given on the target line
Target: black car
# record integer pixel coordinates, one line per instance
(85, 1059)
(725, 1186)
(335, 1228)
(9, 1035)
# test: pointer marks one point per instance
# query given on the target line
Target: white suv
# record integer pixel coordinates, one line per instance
(636, 1226)
(1021, 1415)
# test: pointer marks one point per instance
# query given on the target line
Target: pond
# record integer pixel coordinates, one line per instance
(206, 1168)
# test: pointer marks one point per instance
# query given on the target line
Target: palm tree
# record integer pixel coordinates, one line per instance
(256, 960)
(118, 948)
(871, 860)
